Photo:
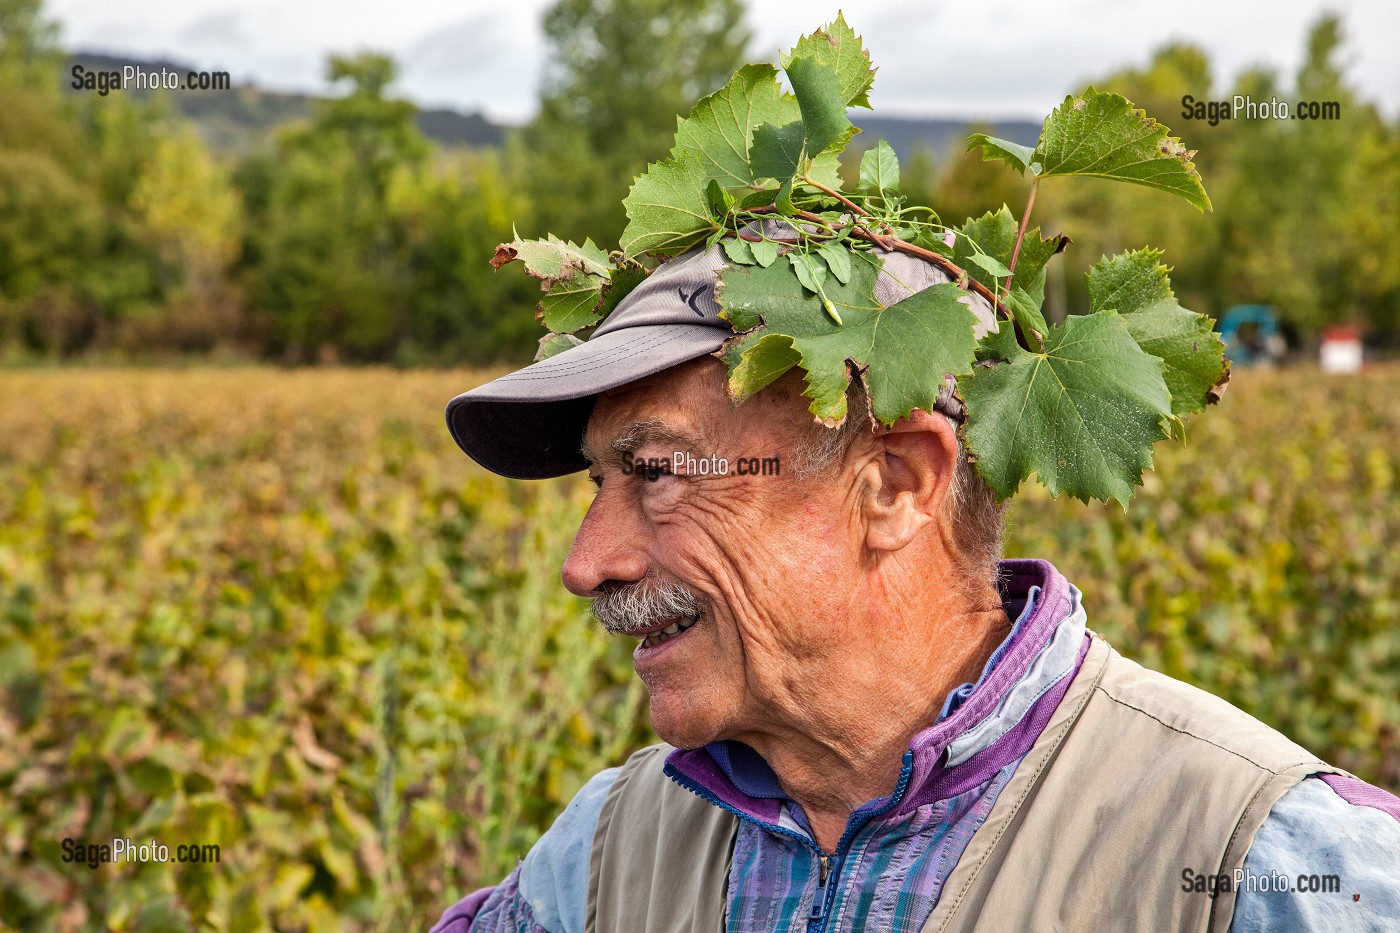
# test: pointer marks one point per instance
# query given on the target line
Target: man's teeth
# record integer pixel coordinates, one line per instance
(670, 631)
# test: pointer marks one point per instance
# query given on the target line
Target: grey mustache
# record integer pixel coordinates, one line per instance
(627, 608)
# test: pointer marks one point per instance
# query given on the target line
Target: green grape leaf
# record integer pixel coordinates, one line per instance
(818, 137)
(826, 167)
(1103, 135)
(1082, 415)
(838, 45)
(777, 150)
(620, 286)
(818, 92)
(1013, 154)
(719, 200)
(1027, 314)
(1135, 285)
(553, 258)
(757, 360)
(667, 210)
(903, 350)
(995, 234)
(553, 344)
(572, 304)
(879, 170)
(719, 130)
(1191, 352)
(1129, 281)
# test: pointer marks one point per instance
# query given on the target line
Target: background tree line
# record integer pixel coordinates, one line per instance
(352, 237)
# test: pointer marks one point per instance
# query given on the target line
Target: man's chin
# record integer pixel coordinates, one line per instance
(681, 724)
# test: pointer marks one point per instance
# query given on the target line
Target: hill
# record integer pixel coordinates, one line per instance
(236, 119)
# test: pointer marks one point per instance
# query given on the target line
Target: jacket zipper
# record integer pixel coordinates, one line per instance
(826, 888)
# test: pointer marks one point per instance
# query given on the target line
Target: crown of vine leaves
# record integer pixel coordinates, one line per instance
(1079, 404)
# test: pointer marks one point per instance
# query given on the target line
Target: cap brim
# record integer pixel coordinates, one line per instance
(529, 424)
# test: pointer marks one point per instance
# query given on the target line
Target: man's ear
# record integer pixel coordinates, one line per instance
(906, 479)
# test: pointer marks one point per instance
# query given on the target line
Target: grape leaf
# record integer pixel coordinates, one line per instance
(1103, 135)
(818, 92)
(837, 45)
(553, 258)
(1135, 284)
(719, 130)
(1129, 281)
(719, 200)
(904, 350)
(571, 304)
(995, 234)
(1191, 352)
(819, 136)
(553, 344)
(1082, 415)
(667, 209)
(620, 286)
(757, 360)
(777, 150)
(879, 170)
(1013, 154)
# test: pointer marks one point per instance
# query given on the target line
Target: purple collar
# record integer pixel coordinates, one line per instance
(734, 776)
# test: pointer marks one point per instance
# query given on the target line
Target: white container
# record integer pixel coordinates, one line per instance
(1341, 350)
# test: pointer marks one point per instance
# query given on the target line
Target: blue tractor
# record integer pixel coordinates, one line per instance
(1251, 335)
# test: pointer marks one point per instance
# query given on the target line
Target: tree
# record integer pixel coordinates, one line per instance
(326, 267)
(618, 74)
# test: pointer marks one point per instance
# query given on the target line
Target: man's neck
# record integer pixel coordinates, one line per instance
(849, 752)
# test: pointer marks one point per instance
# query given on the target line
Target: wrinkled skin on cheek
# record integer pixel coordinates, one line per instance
(757, 549)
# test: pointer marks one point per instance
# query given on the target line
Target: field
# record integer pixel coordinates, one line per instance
(279, 612)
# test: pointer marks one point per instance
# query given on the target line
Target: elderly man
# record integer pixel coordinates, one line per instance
(873, 722)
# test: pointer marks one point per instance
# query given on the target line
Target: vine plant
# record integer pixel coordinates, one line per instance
(755, 169)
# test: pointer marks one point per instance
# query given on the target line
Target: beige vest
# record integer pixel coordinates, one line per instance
(1135, 778)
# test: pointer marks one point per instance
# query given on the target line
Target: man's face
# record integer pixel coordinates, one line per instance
(766, 555)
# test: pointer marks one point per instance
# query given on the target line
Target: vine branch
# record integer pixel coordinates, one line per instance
(893, 243)
(1021, 235)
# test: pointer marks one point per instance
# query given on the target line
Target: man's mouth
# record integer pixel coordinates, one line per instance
(657, 636)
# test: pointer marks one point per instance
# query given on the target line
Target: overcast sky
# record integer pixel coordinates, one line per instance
(971, 58)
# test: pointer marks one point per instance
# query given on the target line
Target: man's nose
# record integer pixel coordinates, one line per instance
(606, 549)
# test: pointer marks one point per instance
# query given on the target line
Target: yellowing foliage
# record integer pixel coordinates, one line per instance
(280, 612)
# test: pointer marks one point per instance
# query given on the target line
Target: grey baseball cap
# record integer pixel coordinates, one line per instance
(529, 424)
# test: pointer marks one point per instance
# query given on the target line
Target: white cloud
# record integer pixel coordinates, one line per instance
(985, 59)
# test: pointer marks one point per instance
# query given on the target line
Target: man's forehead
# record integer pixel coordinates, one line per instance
(667, 407)
(688, 406)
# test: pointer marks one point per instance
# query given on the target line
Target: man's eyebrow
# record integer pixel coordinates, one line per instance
(637, 435)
